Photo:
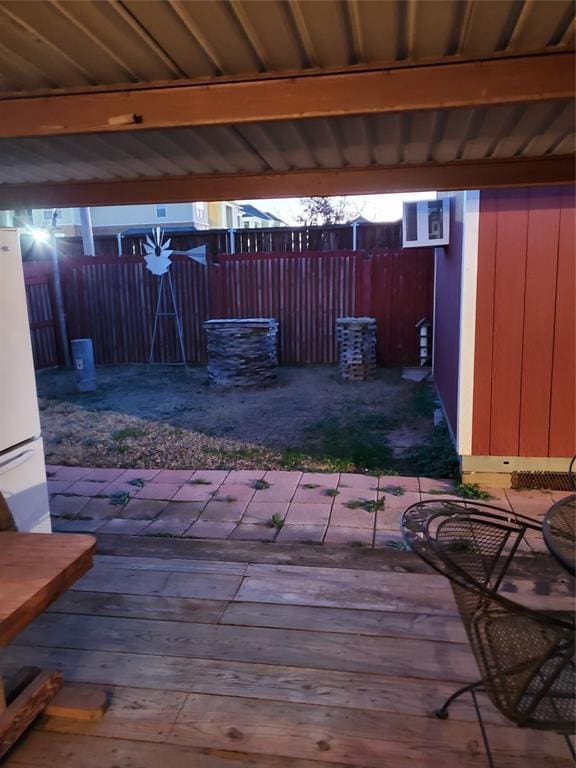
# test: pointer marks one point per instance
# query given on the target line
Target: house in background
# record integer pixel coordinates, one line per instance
(224, 215)
(254, 218)
(115, 219)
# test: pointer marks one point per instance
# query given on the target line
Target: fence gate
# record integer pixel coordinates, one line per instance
(46, 344)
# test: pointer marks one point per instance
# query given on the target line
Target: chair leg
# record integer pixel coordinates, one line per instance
(442, 713)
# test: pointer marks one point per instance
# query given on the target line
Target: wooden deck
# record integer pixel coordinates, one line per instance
(229, 654)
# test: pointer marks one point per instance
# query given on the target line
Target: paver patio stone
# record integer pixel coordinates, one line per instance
(215, 476)
(351, 518)
(283, 475)
(124, 526)
(178, 476)
(280, 491)
(260, 511)
(253, 532)
(194, 493)
(303, 533)
(172, 526)
(51, 469)
(100, 509)
(386, 538)
(389, 519)
(71, 473)
(158, 491)
(87, 488)
(138, 474)
(236, 491)
(313, 495)
(218, 511)
(400, 503)
(185, 511)
(58, 486)
(210, 530)
(348, 536)
(118, 487)
(352, 480)
(245, 475)
(103, 474)
(355, 494)
(428, 484)
(141, 509)
(410, 484)
(533, 504)
(78, 526)
(324, 479)
(67, 505)
(307, 514)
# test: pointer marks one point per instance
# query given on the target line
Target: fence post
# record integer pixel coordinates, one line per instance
(216, 290)
(366, 292)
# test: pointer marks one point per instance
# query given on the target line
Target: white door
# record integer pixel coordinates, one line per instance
(19, 418)
(23, 485)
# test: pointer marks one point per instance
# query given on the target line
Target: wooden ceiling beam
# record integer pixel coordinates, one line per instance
(398, 89)
(349, 181)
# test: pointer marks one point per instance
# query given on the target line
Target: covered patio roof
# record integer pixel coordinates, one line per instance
(119, 102)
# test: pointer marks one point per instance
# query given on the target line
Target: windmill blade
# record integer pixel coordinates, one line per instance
(197, 254)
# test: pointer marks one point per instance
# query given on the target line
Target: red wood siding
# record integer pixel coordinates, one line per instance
(524, 390)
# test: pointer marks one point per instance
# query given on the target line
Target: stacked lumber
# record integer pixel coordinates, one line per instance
(356, 337)
(243, 352)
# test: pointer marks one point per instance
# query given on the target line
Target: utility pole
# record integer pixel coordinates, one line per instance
(87, 232)
(58, 294)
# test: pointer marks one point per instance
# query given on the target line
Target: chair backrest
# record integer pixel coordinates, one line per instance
(526, 656)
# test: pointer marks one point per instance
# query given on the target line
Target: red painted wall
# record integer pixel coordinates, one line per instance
(525, 359)
(447, 315)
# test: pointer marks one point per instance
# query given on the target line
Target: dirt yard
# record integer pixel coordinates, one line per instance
(164, 417)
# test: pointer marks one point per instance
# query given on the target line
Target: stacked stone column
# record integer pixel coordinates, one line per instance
(356, 337)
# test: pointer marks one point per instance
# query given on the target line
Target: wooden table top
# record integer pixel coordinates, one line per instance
(35, 569)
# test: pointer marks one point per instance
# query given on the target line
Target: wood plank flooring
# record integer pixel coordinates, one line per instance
(296, 657)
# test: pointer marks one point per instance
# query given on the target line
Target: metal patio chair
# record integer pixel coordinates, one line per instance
(525, 656)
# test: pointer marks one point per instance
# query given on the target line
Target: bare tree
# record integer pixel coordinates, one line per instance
(317, 211)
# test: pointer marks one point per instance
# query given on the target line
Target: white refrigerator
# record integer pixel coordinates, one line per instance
(22, 468)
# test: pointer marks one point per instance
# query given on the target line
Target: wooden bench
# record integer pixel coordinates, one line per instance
(35, 569)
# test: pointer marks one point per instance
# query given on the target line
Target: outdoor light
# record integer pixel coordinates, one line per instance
(40, 235)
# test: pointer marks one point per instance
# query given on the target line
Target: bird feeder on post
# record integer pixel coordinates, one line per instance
(423, 327)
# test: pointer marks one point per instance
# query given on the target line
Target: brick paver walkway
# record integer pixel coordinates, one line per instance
(337, 508)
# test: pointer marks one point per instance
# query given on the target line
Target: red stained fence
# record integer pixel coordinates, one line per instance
(112, 301)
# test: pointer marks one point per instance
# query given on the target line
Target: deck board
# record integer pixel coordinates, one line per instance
(269, 661)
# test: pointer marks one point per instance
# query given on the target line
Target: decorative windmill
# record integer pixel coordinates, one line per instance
(158, 261)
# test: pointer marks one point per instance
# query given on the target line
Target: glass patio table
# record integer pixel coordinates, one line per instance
(559, 531)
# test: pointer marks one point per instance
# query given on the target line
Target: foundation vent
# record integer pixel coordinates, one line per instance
(546, 481)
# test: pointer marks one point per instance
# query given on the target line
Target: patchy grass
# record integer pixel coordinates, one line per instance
(276, 521)
(199, 481)
(120, 498)
(261, 485)
(471, 491)
(369, 506)
(311, 421)
(137, 482)
(310, 486)
(331, 492)
(394, 490)
(126, 434)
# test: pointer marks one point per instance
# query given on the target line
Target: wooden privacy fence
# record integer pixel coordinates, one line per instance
(46, 343)
(112, 300)
(364, 236)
